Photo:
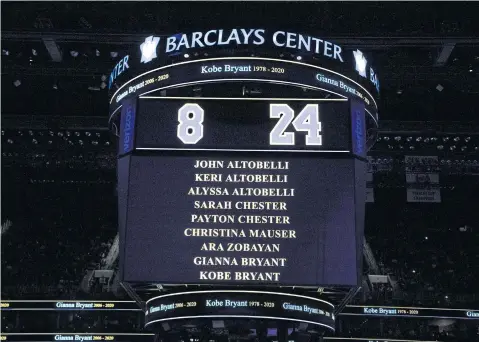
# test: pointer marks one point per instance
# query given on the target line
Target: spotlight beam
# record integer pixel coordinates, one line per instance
(53, 50)
(444, 54)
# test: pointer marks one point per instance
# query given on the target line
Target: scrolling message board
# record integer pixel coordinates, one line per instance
(239, 304)
(252, 69)
(247, 124)
(241, 220)
(397, 311)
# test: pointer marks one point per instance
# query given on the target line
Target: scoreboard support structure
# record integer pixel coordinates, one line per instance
(134, 295)
(346, 300)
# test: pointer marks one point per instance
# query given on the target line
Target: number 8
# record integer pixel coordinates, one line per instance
(190, 129)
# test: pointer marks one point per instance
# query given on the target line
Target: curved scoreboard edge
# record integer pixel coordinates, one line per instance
(236, 304)
(251, 69)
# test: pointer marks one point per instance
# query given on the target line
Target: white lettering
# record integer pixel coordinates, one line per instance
(252, 247)
(263, 262)
(275, 38)
(260, 205)
(259, 35)
(208, 177)
(212, 218)
(257, 276)
(213, 232)
(205, 275)
(237, 37)
(217, 261)
(213, 205)
(170, 44)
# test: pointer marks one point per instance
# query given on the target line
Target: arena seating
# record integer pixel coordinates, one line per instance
(430, 249)
(63, 221)
(403, 328)
(59, 229)
(355, 327)
(66, 226)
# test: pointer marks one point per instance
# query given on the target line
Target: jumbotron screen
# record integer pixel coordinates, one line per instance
(240, 218)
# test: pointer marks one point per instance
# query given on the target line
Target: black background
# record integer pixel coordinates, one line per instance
(238, 124)
(277, 311)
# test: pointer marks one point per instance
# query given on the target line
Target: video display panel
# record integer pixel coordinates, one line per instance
(246, 124)
(242, 219)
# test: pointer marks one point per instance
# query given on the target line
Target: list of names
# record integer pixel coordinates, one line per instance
(241, 209)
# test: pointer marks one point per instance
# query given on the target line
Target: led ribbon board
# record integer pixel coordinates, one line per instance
(154, 51)
(233, 304)
(392, 311)
(245, 69)
(354, 310)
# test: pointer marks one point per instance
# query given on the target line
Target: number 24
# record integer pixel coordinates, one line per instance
(191, 117)
(306, 121)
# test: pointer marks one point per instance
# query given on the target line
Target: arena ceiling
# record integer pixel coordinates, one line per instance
(54, 55)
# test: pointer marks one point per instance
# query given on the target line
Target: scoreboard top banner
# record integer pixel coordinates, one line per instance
(161, 62)
(158, 50)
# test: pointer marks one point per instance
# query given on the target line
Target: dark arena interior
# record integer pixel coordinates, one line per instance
(240, 171)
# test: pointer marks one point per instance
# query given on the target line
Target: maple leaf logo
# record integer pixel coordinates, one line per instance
(361, 63)
(148, 49)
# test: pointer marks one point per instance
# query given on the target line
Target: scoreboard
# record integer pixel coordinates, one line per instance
(235, 191)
